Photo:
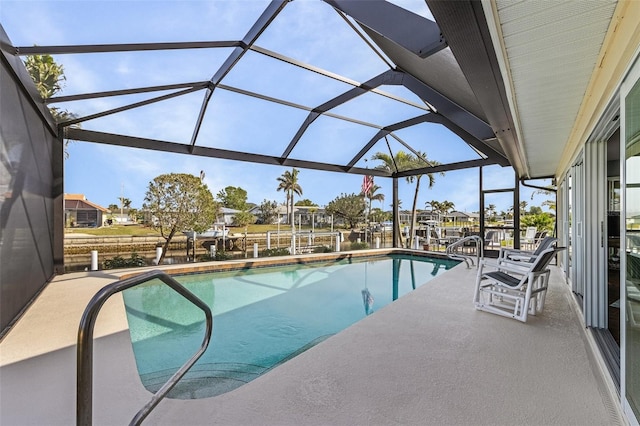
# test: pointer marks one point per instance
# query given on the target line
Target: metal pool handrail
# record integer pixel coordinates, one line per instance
(457, 256)
(84, 384)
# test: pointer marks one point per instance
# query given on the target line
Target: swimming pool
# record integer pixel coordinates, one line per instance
(262, 317)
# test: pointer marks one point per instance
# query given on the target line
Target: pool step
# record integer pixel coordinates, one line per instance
(211, 379)
(302, 349)
(204, 380)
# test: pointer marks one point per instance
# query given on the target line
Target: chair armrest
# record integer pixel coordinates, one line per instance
(519, 252)
(515, 267)
(507, 266)
(523, 263)
(492, 263)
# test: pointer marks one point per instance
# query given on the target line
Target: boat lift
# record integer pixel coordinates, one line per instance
(297, 247)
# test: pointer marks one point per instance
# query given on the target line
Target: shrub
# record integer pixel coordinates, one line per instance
(222, 255)
(121, 262)
(359, 246)
(283, 251)
(542, 221)
(322, 249)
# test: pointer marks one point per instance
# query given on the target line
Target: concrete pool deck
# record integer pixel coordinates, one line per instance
(428, 358)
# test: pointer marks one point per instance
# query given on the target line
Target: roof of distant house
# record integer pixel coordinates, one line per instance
(79, 201)
(227, 210)
(456, 213)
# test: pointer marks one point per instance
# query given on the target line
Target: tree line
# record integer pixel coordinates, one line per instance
(180, 202)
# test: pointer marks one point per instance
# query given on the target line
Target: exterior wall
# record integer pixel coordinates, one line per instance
(30, 193)
(588, 265)
(85, 218)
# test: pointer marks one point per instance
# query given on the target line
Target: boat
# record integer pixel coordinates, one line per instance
(219, 230)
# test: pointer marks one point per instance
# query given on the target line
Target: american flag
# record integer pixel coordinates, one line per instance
(367, 184)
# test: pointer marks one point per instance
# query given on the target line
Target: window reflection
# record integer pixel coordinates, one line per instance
(632, 239)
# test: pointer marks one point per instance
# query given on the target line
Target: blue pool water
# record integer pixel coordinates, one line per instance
(262, 317)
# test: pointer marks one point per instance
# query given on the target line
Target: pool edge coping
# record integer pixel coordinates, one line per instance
(240, 264)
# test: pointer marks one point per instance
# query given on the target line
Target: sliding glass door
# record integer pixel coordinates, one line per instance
(630, 241)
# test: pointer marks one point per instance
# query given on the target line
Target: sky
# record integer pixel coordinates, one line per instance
(306, 30)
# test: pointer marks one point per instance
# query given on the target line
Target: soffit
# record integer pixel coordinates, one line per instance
(439, 71)
(550, 51)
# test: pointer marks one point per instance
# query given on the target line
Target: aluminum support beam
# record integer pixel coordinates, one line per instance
(200, 119)
(446, 167)
(269, 14)
(385, 131)
(387, 77)
(396, 214)
(85, 96)
(333, 76)
(178, 148)
(128, 107)
(415, 152)
(464, 24)
(444, 106)
(494, 156)
(294, 105)
(57, 168)
(418, 35)
(131, 47)
(470, 139)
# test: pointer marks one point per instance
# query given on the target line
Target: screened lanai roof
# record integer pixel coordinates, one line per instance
(318, 84)
(315, 84)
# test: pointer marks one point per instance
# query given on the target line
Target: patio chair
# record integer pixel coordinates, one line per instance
(529, 236)
(470, 246)
(508, 254)
(488, 239)
(633, 305)
(539, 237)
(511, 291)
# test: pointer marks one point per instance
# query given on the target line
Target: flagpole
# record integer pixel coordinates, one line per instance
(367, 186)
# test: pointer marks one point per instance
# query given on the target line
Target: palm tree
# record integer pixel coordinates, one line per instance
(418, 163)
(48, 77)
(288, 183)
(523, 207)
(46, 74)
(371, 195)
(403, 161)
(436, 207)
(126, 203)
(399, 162)
(447, 206)
(491, 211)
(550, 203)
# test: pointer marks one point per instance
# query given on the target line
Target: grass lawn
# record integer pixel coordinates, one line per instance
(135, 230)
